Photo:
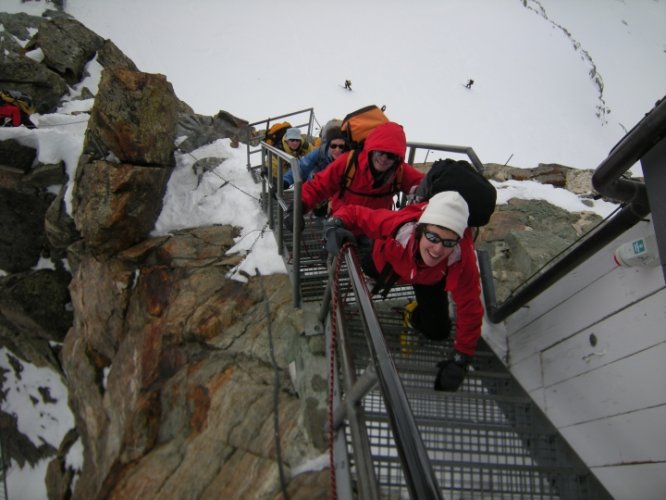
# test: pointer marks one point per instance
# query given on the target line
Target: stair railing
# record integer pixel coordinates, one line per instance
(607, 179)
(415, 463)
(272, 189)
(256, 132)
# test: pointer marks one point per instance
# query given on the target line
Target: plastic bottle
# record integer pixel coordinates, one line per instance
(641, 252)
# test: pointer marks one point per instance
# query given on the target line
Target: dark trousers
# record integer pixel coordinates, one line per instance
(431, 316)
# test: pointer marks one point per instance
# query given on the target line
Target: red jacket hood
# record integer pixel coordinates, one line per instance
(389, 137)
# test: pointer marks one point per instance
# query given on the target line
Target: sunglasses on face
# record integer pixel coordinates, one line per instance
(389, 156)
(336, 146)
(435, 238)
(293, 140)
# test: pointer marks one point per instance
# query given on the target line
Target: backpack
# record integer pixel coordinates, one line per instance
(358, 124)
(356, 127)
(275, 134)
(461, 176)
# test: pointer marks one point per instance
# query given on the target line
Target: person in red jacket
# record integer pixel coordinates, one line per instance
(381, 173)
(10, 115)
(430, 246)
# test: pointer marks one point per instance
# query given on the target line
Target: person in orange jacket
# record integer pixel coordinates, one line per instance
(430, 246)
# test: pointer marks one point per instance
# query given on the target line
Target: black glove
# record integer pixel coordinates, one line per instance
(335, 235)
(321, 210)
(288, 221)
(452, 372)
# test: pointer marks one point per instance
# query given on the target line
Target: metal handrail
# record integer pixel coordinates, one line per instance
(412, 147)
(275, 220)
(417, 469)
(251, 142)
(607, 181)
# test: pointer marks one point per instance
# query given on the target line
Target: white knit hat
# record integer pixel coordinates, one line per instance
(447, 209)
(293, 133)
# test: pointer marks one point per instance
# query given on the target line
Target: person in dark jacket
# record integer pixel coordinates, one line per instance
(429, 246)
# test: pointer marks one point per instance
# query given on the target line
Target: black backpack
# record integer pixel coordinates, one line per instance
(461, 176)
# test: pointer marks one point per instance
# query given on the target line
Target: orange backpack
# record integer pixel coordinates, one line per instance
(358, 124)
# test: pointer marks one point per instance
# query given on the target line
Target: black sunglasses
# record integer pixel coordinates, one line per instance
(336, 146)
(435, 238)
(390, 156)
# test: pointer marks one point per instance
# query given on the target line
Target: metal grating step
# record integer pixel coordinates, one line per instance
(487, 440)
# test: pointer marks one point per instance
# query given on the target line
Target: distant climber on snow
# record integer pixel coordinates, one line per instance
(469, 83)
(348, 84)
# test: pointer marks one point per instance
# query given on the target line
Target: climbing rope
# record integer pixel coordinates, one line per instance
(224, 181)
(276, 389)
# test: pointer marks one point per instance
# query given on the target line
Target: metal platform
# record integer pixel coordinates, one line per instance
(487, 440)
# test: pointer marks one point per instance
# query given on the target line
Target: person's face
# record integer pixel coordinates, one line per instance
(293, 144)
(383, 161)
(336, 147)
(432, 251)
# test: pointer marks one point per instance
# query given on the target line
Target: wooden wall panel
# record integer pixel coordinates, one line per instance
(629, 384)
(630, 330)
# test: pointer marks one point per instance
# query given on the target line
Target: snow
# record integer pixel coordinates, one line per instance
(533, 101)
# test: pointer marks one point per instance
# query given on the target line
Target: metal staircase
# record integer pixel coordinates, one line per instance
(487, 440)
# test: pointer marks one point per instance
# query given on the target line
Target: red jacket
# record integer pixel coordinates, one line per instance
(11, 111)
(326, 184)
(395, 243)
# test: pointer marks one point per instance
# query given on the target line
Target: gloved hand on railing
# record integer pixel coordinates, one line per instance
(335, 235)
(452, 372)
(288, 220)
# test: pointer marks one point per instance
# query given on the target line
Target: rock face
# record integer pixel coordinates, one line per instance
(168, 362)
(174, 377)
(116, 203)
(524, 235)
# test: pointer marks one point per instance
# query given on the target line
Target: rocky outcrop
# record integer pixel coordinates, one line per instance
(65, 47)
(174, 374)
(116, 202)
(34, 314)
(524, 235)
(572, 179)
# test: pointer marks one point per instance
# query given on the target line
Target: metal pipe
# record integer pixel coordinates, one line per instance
(466, 150)
(648, 132)
(638, 141)
(367, 478)
(363, 385)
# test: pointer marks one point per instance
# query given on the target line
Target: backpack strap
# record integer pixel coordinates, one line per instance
(385, 281)
(349, 173)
